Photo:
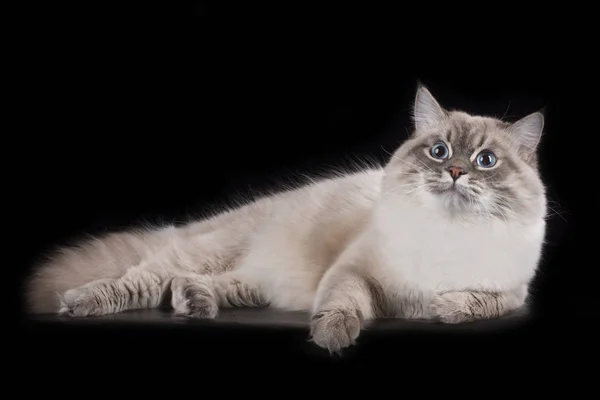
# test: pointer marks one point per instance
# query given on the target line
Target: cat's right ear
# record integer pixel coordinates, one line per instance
(426, 110)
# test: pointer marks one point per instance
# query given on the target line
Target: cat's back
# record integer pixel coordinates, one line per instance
(319, 200)
(331, 202)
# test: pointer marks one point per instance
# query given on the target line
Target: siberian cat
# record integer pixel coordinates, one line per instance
(451, 229)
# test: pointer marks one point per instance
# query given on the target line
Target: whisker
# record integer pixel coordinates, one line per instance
(423, 186)
(487, 178)
(426, 166)
(417, 167)
(505, 112)
(391, 154)
(556, 213)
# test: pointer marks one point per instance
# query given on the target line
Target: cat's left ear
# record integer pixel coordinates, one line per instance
(527, 132)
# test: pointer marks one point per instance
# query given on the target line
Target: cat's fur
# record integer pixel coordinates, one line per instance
(396, 241)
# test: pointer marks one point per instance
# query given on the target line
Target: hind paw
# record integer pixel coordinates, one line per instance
(80, 303)
(194, 298)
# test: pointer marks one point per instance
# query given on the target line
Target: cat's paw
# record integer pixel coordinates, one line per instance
(193, 299)
(335, 330)
(452, 308)
(80, 302)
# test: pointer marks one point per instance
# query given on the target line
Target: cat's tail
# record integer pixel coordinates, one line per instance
(91, 259)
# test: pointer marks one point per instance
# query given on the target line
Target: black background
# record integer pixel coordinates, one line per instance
(155, 112)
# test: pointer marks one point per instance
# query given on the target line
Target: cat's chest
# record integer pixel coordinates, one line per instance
(432, 252)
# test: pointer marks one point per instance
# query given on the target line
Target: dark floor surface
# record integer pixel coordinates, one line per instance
(263, 318)
(263, 333)
(255, 343)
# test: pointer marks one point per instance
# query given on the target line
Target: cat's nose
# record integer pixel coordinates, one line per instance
(456, 172)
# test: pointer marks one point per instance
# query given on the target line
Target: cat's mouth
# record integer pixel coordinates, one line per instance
(450, 189)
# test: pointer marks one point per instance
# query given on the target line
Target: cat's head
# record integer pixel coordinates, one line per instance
(469, 165)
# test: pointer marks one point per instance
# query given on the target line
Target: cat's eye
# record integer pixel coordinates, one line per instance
(439, 151)
(486, 159)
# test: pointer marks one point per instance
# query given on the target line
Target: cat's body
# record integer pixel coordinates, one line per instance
(282, 244)
(429, 235)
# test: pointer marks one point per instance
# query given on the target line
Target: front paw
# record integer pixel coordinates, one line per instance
(452, 308)
(335, 329)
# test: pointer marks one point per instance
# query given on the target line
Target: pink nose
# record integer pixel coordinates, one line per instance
(456, 172)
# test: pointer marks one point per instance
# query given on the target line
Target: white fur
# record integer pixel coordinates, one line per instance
(423, 249)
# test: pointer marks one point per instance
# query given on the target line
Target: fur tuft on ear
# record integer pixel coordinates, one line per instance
(426, 110)
(527, 132)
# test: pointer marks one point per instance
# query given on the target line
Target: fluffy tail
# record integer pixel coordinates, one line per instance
(96, 258)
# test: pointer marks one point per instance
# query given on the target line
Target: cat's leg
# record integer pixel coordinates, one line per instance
(138, 288)
(145, 284)
(467, 306)
(202, 296)
(346, 299)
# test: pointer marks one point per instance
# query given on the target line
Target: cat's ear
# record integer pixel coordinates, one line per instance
(527, 132)
(426, 111)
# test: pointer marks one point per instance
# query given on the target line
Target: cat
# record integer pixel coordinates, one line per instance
(450, 229)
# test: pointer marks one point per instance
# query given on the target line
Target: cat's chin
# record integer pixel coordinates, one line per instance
(453, 197)
(450, 190)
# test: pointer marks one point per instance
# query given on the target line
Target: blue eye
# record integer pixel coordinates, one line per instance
(439, 151)
(486, 159)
